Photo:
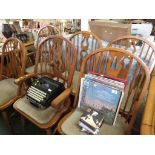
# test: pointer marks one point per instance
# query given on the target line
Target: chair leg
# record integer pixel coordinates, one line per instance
(48, 131)
(7, 121)
(55, 130)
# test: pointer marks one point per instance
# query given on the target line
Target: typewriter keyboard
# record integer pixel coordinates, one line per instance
(36, 94)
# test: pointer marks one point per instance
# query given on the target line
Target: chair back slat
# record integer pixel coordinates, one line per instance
(137, 45)
(45, 32)
(85, 42)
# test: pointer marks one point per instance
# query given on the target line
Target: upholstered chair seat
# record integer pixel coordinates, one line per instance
(8, 90)
(71, 127)
(41, 116)
(31, 68)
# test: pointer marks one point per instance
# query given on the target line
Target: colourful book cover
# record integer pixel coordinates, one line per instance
(102, 98)
(92, 118)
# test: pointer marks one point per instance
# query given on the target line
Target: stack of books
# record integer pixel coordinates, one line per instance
(100, 98)
(91, 121)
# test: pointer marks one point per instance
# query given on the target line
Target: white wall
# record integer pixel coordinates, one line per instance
(84, 25)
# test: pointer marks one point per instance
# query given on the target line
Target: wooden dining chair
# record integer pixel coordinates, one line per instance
(12, 62)
(143, 48)
(85, 42)
(56, 59)
(42, 34)
(110, 61)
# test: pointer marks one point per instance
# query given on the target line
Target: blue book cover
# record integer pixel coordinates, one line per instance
(100, 97)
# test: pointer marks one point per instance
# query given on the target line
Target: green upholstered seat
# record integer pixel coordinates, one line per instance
(8, 90)
(41, 116)
(70, 126)
(31, 68)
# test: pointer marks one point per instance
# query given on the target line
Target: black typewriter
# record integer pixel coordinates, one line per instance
(43, 90)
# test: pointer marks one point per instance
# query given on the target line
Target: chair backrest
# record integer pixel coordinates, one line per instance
(13, 58)
(114, 61)
(56, 57)
(85, 42)
(137, 45)
(109, 31)
(46, 31)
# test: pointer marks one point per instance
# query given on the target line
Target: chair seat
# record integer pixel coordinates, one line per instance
(70, 126)
(41, 116)
(31, 68)
(8, 90)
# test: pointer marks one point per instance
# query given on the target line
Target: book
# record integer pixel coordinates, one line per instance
(91, 120)
(106, 81)
(102, 97)
(121, 83)
(109, 76)
(85, 128)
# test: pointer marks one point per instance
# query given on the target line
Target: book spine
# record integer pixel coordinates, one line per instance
(86, 128)
(107, 81)
(88, 125)
(108, 76)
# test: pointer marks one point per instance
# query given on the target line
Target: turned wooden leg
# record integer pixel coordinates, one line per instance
(48, 131)
(7, 121)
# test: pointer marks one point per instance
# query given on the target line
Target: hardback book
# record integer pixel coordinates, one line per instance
(85, 128)
(101, 97)
(91, 120)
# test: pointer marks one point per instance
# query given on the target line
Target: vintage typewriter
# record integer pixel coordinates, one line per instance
(43, 90)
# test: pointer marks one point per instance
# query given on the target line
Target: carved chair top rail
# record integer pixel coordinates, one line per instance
(138, 45)
(57, 56)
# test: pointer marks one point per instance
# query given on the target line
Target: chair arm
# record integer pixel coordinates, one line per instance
(58, 100)
(24, 78)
